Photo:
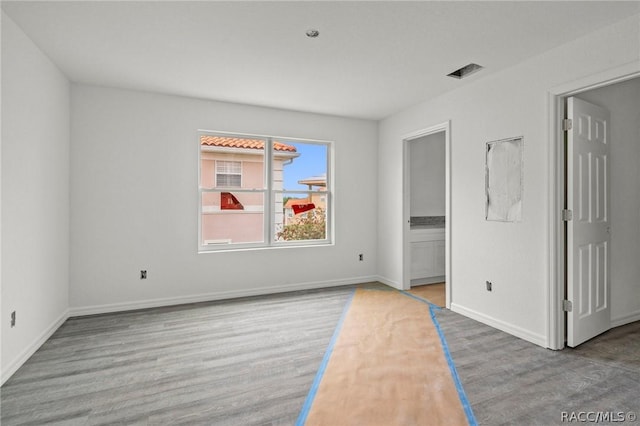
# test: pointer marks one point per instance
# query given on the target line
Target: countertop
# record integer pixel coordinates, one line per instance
(417, 227)
(426, 222)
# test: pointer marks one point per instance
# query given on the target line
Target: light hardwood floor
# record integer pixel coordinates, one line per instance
(434, 293)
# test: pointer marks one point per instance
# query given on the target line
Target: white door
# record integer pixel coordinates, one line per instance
(588, 236)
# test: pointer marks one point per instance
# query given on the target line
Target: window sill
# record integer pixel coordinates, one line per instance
(231, 211)
(223, 248)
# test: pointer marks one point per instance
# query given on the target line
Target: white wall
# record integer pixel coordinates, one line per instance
(427, 179)
(134, 202)
(35, 196)
(510, 103)
(623, 101)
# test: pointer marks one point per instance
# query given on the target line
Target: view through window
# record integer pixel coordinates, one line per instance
(261, 191)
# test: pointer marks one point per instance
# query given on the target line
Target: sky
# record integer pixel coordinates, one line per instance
(311, 162)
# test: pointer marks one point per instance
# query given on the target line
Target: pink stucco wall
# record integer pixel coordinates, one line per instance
(238, 226)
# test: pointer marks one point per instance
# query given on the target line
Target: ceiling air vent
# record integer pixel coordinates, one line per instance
(465, 71)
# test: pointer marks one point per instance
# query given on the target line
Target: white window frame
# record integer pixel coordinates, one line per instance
(269, 197)
(230, 173)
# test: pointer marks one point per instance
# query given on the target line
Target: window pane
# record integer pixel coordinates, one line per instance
(233, 181)
(232, 218)
(234, 167)
(237, 202)
(231, 162)
(301, 216)
(305, 169)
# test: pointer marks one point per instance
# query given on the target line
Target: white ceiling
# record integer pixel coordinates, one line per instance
(371, 59)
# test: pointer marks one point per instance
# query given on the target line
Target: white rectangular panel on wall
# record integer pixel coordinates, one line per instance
(503, 180)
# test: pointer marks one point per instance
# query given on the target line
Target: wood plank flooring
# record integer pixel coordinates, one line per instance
(252, 361)
(510, 381)
(434, 293)
(240, 362)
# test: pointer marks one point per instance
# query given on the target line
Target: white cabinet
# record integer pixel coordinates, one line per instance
(427, 254)
(423, 256)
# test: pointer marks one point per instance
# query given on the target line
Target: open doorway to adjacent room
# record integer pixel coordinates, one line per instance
(426, 213)
(597, 235)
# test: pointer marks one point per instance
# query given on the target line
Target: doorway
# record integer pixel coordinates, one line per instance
(619, 96)
(426, 210)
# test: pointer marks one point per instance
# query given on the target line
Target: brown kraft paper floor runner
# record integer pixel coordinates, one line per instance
(387, 368)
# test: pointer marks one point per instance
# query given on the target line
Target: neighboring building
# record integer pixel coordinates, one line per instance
(294, 208)
(233, 169)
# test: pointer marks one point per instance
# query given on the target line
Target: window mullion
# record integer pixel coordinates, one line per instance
(268, 197)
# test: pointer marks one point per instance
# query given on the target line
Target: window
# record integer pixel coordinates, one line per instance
(263, 191)
(228, 174)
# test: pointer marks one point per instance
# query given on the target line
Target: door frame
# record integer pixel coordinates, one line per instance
(556, 321)
(406, 206)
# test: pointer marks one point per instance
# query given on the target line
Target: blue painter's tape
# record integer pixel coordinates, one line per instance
(421, 300)
(302, 417)
(454, 374)
(445, 348)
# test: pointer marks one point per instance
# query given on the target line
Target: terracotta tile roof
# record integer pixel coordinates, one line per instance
(231, 142)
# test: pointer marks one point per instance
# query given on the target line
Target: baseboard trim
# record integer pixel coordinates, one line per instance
(522, 333)
(627, 319)
(430, 280)
(32, 348)
(389, 282)
(208, 297)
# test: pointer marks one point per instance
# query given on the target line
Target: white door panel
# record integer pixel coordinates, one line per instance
(588, 286)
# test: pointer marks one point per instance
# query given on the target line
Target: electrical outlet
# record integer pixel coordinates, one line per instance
(143, 275)
(13, 319)
(489, 285)
(361, 257)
